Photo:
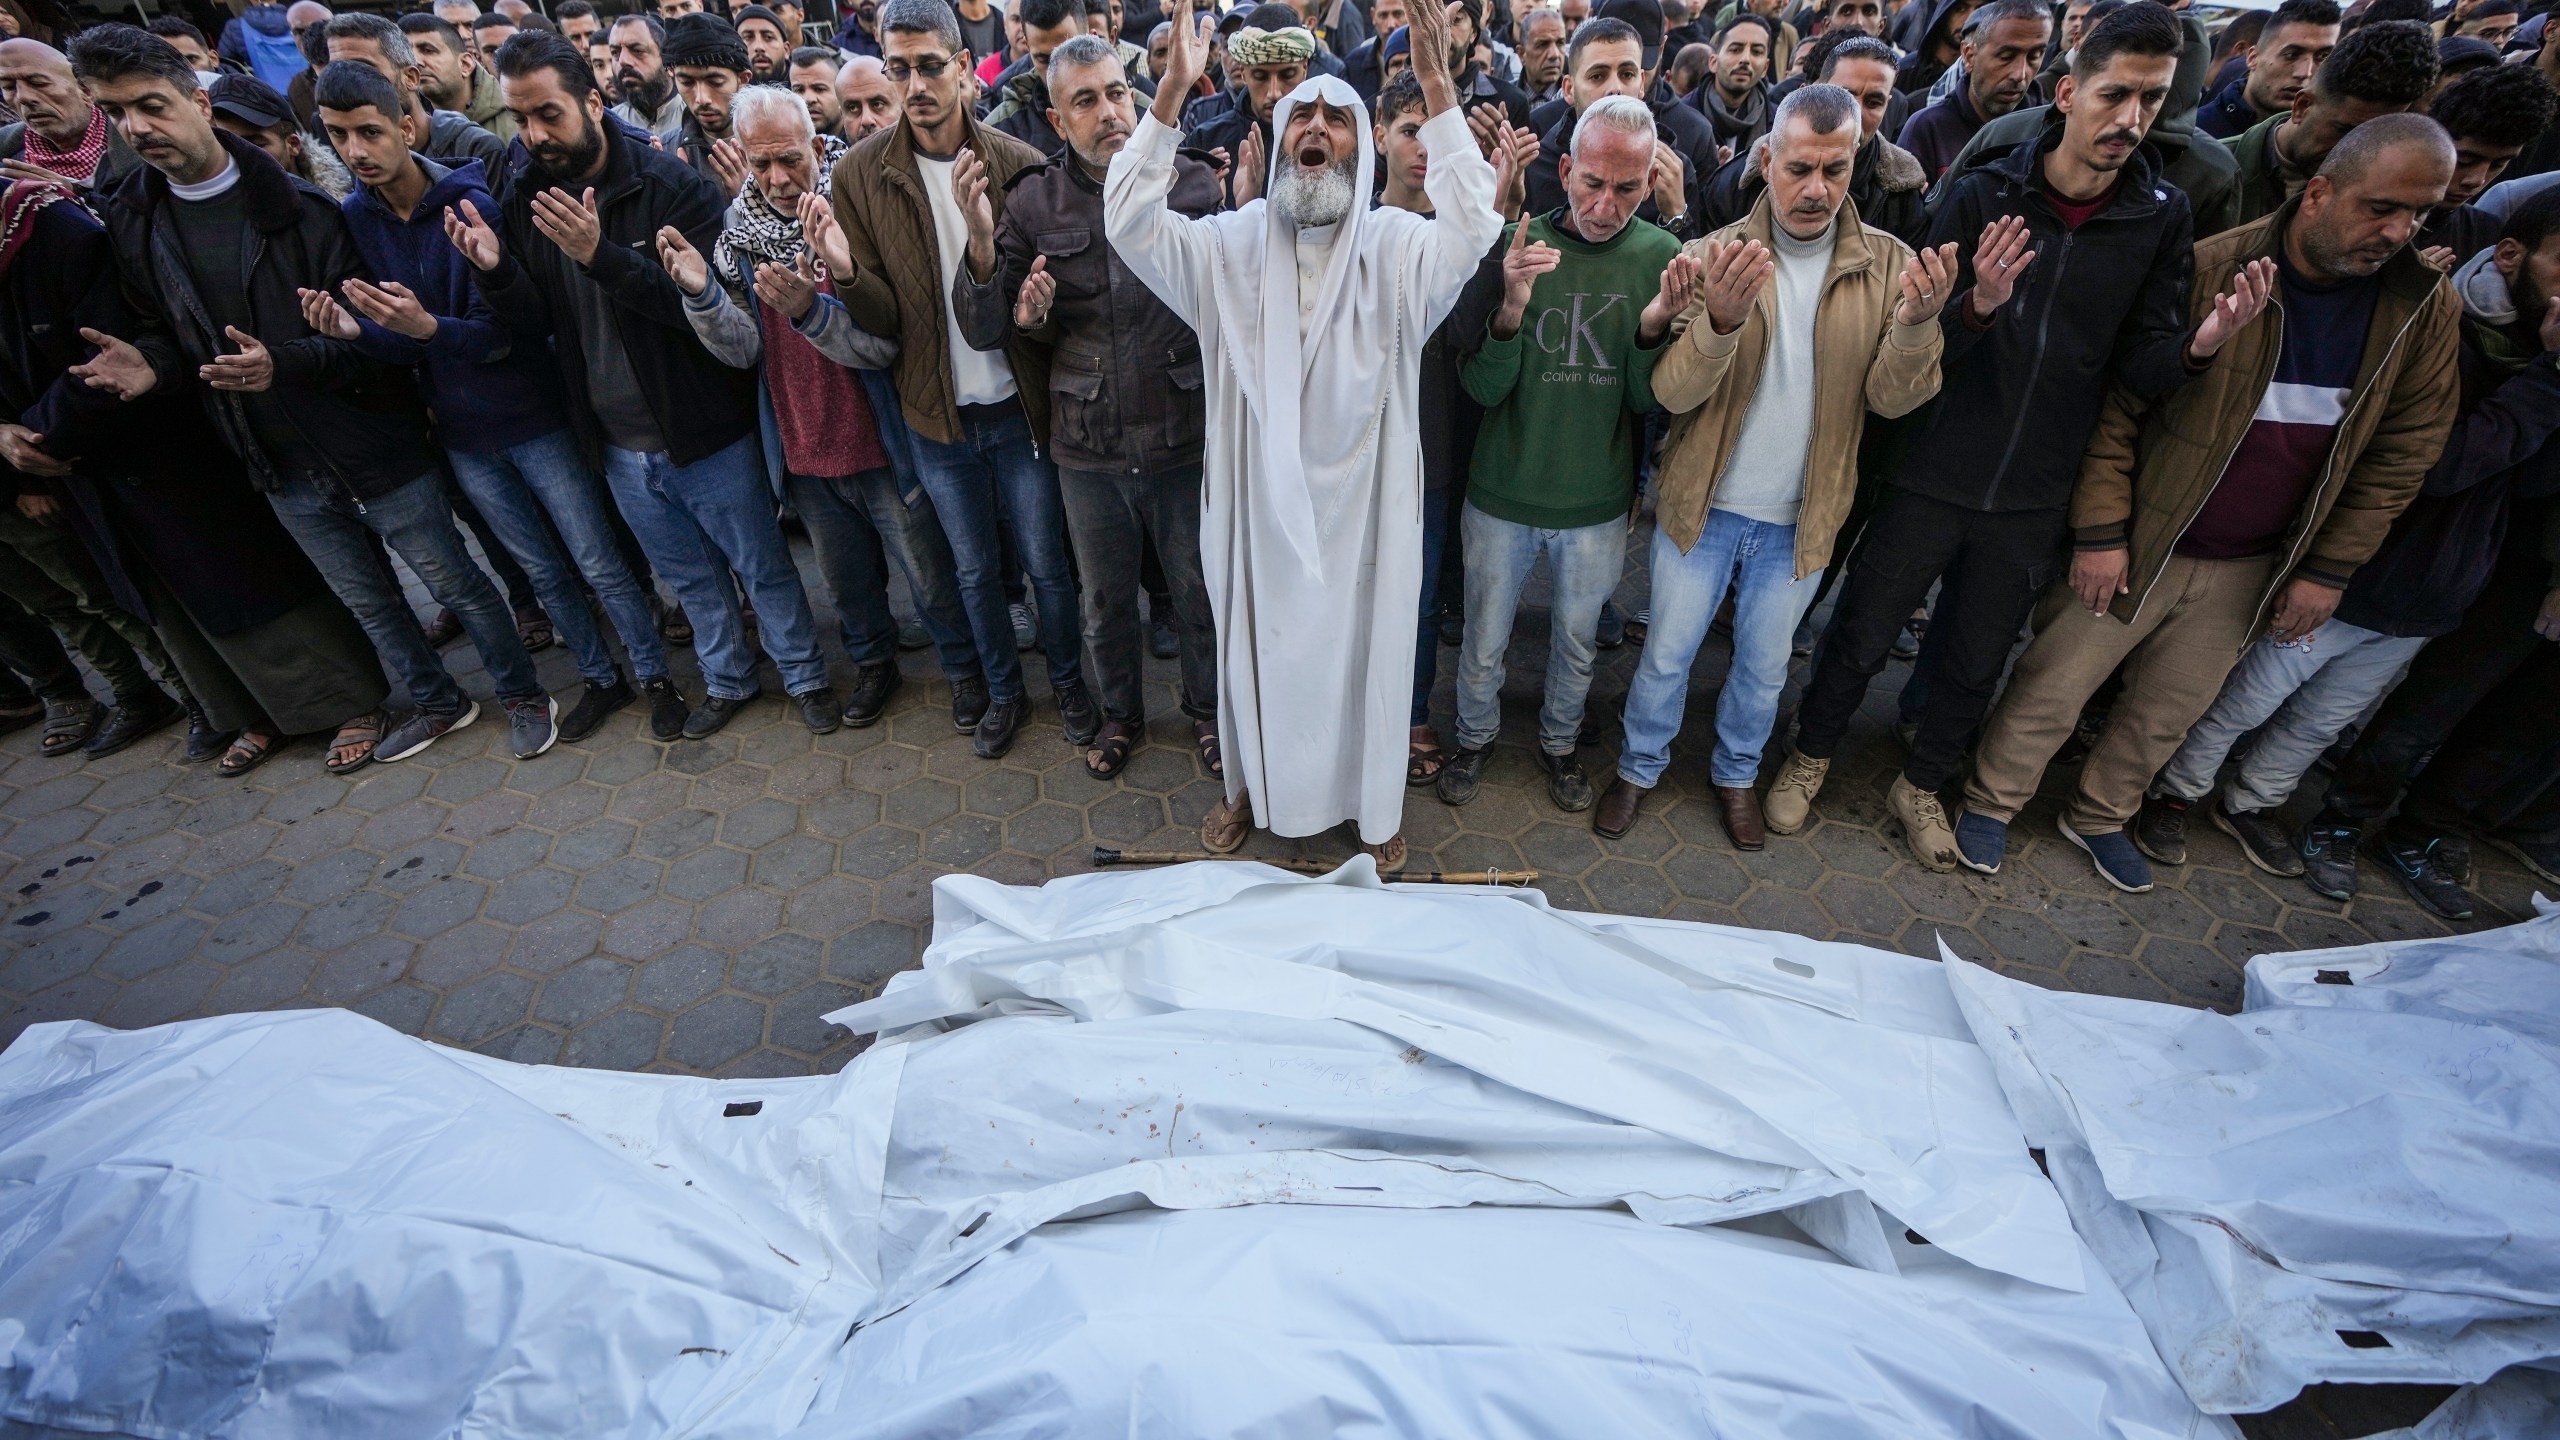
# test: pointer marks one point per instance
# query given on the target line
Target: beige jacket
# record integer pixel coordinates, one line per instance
(1864, 361)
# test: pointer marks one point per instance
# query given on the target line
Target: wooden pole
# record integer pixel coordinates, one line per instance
(1103, 856)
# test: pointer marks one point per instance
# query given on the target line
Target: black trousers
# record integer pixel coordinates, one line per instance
(1995, 565)
(2484, 701)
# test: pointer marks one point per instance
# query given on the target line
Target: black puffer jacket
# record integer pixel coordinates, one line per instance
(364, 417)
(701, 405)
(1125, 379)
(2103, 304)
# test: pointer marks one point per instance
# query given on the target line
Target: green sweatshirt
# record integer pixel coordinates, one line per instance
(1558, 447)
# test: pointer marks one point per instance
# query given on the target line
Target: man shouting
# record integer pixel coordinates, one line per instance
(1311, 531)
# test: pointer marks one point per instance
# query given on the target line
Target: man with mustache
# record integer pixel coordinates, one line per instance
(2078, 281)
(2244, 503)
(2003, 44)
(649, 96)
(59, 134)
(1126, 414)
(1315, 307)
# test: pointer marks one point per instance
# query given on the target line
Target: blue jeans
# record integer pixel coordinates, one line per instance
(416, 521)
(1687, 591)
(1426, 630)
(701, 521)
(858, 524)
(522, 493)
(992, 482)
(1586, 562)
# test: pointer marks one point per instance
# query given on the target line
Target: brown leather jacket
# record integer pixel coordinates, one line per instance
(2150, 469)
(1862, 361)
(887, 219)
(1124, 371)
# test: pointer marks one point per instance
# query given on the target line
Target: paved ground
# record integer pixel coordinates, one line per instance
(695, 907)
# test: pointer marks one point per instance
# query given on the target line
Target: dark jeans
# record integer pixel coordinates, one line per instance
(992, 479)
(521, 592)
(30, 649)
(1995, 566)
(543, 505)
(1110, 517)
(2484, 701)
(1438, 556)
(45, 570)
(858, 524)
(417, 523)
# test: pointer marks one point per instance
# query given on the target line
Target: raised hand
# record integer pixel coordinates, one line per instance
(249, 369)
(2233, 309)
(393, 306)
(1186, 58)
(1927, 282)
(471, 235)
(1488, 124)
(1680, 282)
(1998, 262)
(818, 227)
(117, 368)
(1511, 162)
(324, 316)
(18, 446)
(791, 288)
(977, 209)
(1669, 199)
(1735, 273)
(685, 264)
(2441, 257)
(1429, 24)
(729, 165)
(569, 224)
(1253, 166)
(1522, 264)
(1039, 292)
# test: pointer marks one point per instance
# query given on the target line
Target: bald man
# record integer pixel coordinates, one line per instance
(306, 19)
(62, 136)
(870, 102)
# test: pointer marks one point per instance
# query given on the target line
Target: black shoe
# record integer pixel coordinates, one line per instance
(2328, 854)
(1082, 716)
(129, 721)
(1566, 784)
(999, 727)
(872, 687)
(594, 707)
(820, 710)
(1460, 777)
(203, 741)
(2419, 867)
(1162, 642)
(666, 708)
(968, 703)
(713, 713)
(1613, 626)
(2261, 839)
(2160, 830)
(1453, 628)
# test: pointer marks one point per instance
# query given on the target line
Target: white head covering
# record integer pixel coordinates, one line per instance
(1340, 373)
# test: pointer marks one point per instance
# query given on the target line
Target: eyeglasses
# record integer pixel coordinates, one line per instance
(899, 71)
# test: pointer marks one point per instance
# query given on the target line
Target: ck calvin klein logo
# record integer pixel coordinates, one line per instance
(1564, 331)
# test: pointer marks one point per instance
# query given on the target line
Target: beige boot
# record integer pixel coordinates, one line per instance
(1924, 824)
(1790, 801)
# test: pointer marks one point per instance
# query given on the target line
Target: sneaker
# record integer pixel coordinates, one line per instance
(714, 712)
(1906, 641)
(1789, 803)
(420, 730)
(820, 710)
(1981, 842)
(1924, 824)
(1162, 642)
(667, 708)
(2542, 857)
(2112, 852)
(2261, 839)
(1613, 626)
(1000, 726)
(1083, 718)
(1460, 777)
(2160, 830)
(2419, 867)
(2329, 858)
(1026, 633)
(533, 725)
(872, 687)
(968, 703)
(593, 707)
(913, 636)
(1567, 785)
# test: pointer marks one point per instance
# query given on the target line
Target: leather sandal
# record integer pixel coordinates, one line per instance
(1213, 757)
(1423, 757)
(1223, 829)
(533, 629)
(1390, 856)
(1109, 753)
(360, 734)
(248, 751)
(68, 724)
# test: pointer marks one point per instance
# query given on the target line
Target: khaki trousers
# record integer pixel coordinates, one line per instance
(2192, 628)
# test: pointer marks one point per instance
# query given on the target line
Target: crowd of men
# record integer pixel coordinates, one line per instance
(1286, 344)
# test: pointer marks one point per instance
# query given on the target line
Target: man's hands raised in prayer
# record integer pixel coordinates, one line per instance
(1522, 264)
(1039, 292)
(471, 235)
(1680, 281)
(569, 223)
(1186, 59)
(2233, 310)
(117, 368)
(977, 208)
(1735, 273)
(1999, 262)
(685, 264)
(1927, 283)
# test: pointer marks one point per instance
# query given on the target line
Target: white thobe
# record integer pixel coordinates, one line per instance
(1311, 526)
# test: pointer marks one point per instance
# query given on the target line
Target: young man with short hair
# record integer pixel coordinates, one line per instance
(1735, 98)
(768, 54)
(2492, 115)
(2382, 69)
(811, 75)
(709, 66)
(448, 134)
(2296, 41)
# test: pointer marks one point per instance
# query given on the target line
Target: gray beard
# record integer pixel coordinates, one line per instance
(1311, 200)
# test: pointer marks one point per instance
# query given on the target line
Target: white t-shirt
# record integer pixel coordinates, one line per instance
(978, 377)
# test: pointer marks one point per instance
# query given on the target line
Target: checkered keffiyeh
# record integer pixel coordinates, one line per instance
(1295, 45)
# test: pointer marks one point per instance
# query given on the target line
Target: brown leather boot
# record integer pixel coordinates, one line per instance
(1616, 812)
(1739, 807)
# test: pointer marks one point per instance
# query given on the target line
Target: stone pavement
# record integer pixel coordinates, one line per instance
(693, 908)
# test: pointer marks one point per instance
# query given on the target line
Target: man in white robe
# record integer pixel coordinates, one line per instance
(1311, 533)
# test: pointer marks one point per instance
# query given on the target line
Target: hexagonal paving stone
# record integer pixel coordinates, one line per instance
(474, 1012)
(716, 1031)
(620, 1040)
(583, 991)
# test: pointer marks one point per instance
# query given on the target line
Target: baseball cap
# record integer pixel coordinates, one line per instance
(1645, 15)
(249, 100)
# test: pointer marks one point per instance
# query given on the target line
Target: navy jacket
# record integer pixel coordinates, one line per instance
(485, 390)
(2225, 113)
